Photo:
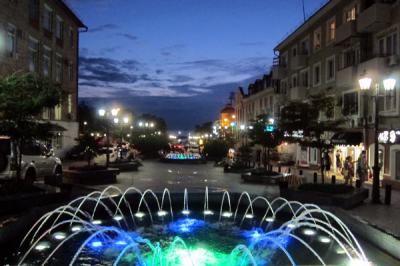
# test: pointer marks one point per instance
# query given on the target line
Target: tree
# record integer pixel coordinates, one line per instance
(22, 99)
(314, 118)
(216, 149)
(205, 128)
(268, 139)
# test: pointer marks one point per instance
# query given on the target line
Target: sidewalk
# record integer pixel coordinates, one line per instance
(384, 217)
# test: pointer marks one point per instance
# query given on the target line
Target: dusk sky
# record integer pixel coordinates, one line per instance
(174, 57)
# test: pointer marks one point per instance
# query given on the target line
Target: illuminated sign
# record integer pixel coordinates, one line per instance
(389, 137)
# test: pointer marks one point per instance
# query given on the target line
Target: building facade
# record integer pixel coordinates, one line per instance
(42, 36)
(341, 43)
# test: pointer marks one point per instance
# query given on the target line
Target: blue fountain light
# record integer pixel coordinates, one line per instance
(186, 225)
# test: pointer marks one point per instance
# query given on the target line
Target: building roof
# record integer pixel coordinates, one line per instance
(71, 13)
(307, 24)
(228, 109)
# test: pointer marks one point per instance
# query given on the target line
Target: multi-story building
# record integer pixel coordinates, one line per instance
(42, 36)
(263, 97)
(341, 43)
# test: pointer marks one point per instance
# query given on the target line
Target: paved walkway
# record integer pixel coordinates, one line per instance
(384, 217)
(177, 177)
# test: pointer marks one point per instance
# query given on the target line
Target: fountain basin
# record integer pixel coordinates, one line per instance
(131, 227)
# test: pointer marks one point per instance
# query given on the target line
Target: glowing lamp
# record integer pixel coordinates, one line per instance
(309, 232)
(140, 215)
(389, 84)
(185, 212)
(227, 214)
(76, 228)
(365, 83)
(96, 222)
(117, 218)
(102, 112)
(59, 235)
(249, 216)
(42, 246)
(114, 111)
(270, 219)
(208, 212)
(162, 213)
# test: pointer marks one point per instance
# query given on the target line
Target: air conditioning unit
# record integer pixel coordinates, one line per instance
(393, 60)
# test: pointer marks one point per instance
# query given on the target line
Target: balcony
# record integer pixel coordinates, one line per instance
(297, 93)
(279, 71)
(374, 67)
(346, 77)
(346, 31)
(374, 18)
(298, 61)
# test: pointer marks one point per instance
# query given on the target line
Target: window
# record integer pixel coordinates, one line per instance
(294, 81)
(71, 37)
(47, 62)
(317, 74)
(330, 69)
(34, 11)
(11, 43)
(350, 13)
(283, 60)
(70, 71)
(284, 86)
(350, 103)
(58, 112)
(305, 47)
(389, 101)
(294, 51)
(59, 69)
(46, 114)
(70, 103)
(348, 58)
(331, 30)
(47, 18)
(33, 54)
(59, 28)
(388, 45)
(304, 79)
(317, 39)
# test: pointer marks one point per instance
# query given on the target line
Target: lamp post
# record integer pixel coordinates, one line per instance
(105, 114)
(365, 85)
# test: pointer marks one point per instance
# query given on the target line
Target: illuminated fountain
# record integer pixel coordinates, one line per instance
(114, 227)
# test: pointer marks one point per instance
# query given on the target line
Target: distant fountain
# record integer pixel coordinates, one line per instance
(103, 229)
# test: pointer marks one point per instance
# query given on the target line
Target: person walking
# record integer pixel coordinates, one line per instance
(338, 162)
(362, 167)
(348, 171)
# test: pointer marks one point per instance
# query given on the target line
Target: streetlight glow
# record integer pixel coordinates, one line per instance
(389, 84)
(114, 111)
(102, 112)
(365, 83)
(126, 120)
(140, 124)
(116, 120)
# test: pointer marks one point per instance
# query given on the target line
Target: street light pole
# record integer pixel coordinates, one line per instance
(389, 85)
(376, 198)
(107, 144)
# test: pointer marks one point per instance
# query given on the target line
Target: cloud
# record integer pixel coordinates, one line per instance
(103, 27)
(128, 36)
(171, 49)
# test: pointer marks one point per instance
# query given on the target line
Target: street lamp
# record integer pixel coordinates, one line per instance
(365, 85)
(104, 114)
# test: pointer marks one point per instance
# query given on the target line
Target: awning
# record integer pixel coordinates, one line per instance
(347, 138)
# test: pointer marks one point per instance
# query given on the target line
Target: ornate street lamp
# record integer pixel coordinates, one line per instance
(105, 114)
(365, 85)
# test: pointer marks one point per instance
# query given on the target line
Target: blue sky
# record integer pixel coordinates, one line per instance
(152, 55)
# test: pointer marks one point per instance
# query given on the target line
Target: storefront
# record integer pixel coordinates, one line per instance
(389, 147)
(346, 144)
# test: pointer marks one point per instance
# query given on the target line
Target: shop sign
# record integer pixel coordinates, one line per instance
(389, 137)
(298, 134)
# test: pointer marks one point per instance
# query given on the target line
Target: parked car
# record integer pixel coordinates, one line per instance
(37, 161)
(261, 175)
